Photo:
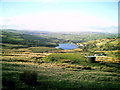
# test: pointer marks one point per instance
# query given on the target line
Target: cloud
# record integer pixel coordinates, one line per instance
(1, 20)
(56, 21)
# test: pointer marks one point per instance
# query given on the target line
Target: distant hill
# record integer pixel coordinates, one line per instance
(80, 36)
(108, 46)
(103, 44)
(71, 36)
(93, 42)
(50, 39)
(17, 37)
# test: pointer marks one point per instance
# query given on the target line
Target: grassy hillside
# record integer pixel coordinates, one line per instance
(106, 46)
(82, 36)
(63, 37)
(56, 76)
(32, 62)
(14, 37)
(50, 71)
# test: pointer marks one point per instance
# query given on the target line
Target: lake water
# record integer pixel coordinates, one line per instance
(67, 46)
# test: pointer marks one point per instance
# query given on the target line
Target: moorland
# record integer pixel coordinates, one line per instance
(31, 61)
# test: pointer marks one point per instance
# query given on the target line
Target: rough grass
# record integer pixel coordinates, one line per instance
(23, 54)
(42, 49)
(60, 57)
(60, 71)
(57, 76)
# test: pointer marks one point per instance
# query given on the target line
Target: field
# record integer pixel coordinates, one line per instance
(51, 71)
(56, 76)
(40, 66)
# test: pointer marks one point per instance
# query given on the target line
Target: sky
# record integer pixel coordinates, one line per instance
(60, 15)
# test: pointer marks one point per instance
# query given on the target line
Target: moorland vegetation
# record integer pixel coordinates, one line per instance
(31, 61)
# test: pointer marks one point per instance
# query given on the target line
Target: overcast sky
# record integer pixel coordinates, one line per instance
(60, 15)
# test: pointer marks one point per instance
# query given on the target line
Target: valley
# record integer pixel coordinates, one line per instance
(31, 61)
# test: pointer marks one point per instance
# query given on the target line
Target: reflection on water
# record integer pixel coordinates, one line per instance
(67, 46)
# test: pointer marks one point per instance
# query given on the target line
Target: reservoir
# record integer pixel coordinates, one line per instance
(67, 46)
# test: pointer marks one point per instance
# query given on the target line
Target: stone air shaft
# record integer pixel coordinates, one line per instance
(91, 59)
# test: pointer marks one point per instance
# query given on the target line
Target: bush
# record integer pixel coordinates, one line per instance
(8, 82)
(29, 77)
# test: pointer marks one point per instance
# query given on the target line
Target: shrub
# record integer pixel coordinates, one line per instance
(8, 82)
(29, 77)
